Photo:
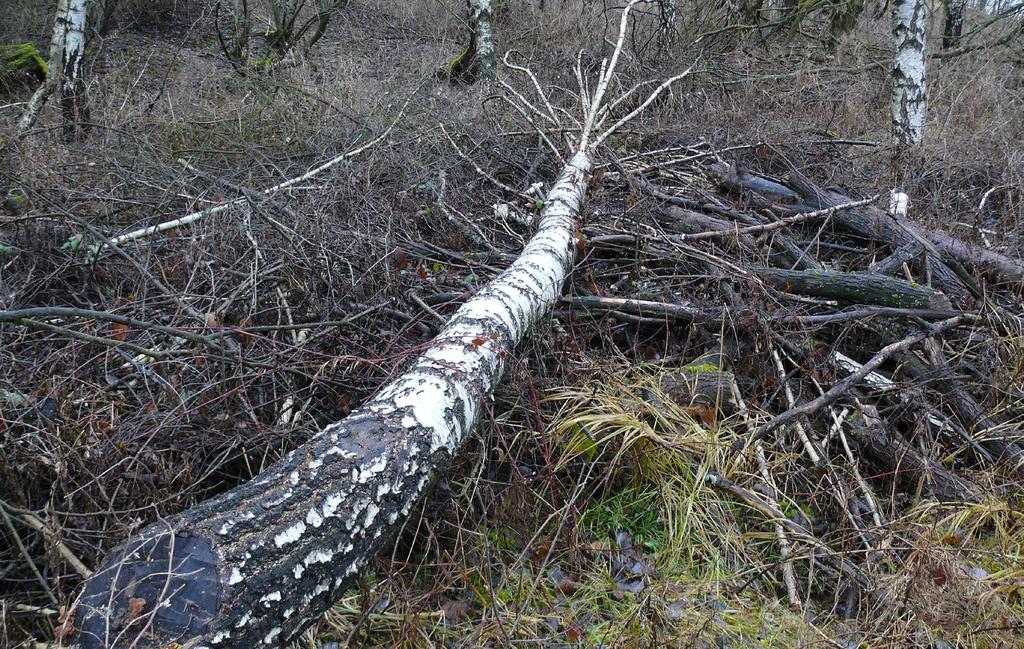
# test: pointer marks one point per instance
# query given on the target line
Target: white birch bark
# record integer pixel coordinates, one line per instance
(67, 55)
(478, 60)
(909, 95)
(255, 566)
(483, 37)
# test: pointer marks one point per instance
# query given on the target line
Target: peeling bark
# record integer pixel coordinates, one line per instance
(67, 57)
(258, 564)
(909, 95)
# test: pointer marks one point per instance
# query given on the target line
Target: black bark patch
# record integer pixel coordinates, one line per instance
(164, 587)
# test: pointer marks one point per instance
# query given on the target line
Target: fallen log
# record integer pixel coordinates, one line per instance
(875, 225)
(258, 565)
(697, 225)
(893, 264)
(855, 288)
(996, 266)
(645, 308)
(761, 191)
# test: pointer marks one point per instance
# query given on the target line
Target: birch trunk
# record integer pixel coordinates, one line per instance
(67, 56)
(909, 98)
(668, 21)
(478, 60)
(257, 565)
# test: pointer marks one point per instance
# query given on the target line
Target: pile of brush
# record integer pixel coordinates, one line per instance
(861, 366)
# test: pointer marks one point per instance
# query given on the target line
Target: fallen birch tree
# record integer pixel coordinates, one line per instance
(258, 565)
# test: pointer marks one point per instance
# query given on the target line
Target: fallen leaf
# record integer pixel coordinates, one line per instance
(455, 610)
(704, 413)
(119, 331)
(67, 624)
(565, 584)
(401, 260)
(136, 605)
(574, 633)
(541, 549)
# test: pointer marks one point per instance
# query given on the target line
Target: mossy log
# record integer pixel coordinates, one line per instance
(855, 288)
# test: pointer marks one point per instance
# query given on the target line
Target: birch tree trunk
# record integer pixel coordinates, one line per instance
(953, 28)
(668, 21)
(909, 97)
(67, 56)
(478, 60)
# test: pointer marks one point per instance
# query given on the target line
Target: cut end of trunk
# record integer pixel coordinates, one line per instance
(162, 588)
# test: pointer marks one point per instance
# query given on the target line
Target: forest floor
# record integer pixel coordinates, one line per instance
(585, 511)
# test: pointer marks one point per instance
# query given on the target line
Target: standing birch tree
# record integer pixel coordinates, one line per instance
(478, 60)
(909, 95)
(257, 565)
(67, 58)
(667, 32)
